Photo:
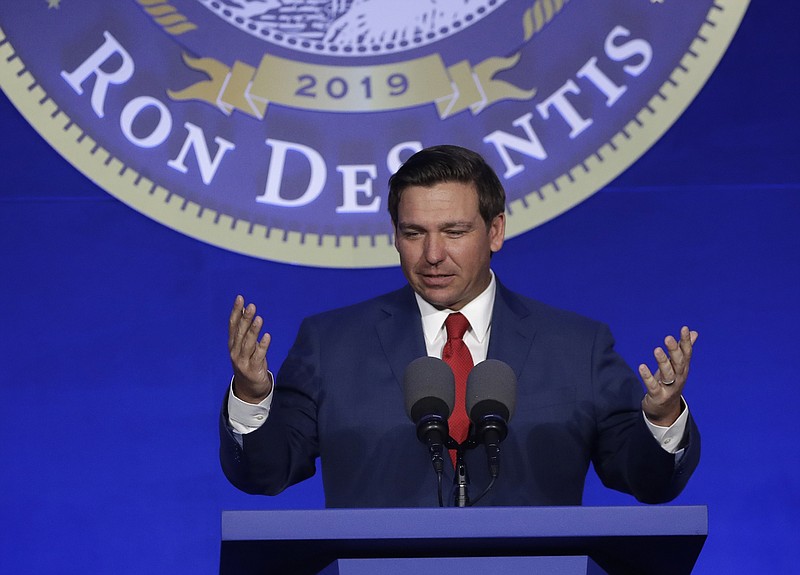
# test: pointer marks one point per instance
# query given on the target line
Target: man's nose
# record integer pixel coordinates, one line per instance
(434, 249)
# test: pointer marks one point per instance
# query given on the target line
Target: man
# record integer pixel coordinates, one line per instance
(338, 395)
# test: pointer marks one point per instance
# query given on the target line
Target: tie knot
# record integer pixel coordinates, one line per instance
(456, 325)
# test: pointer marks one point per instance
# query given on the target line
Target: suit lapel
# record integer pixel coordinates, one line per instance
(400, 331)
(402, 339)
(513, 331)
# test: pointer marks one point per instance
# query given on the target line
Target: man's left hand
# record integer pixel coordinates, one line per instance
(662, 403)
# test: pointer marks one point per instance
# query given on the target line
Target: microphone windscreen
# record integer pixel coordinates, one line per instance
(429, 385)
(490, 383)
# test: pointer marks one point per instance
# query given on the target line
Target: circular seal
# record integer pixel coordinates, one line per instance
(270, 127)
(354, 27)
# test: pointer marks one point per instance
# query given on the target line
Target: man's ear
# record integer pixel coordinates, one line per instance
(497, 232)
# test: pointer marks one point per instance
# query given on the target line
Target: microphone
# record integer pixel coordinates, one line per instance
(430, 392)
(490, 402)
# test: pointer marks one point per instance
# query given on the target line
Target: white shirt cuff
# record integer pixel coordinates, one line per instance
(670, 438)
(246, 417)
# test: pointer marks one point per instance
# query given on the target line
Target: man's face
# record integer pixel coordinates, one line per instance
(444, 244)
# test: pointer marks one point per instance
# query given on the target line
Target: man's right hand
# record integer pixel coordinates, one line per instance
(252, 381)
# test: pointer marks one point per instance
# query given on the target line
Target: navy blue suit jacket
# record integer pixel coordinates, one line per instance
(339, 397)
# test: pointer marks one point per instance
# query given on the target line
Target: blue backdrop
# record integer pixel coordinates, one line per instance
(114, 365)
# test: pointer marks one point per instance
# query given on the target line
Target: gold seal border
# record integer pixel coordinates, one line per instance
(189, 218)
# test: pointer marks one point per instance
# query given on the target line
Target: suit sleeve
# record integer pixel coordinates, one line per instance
(627, 457)
(284, 449)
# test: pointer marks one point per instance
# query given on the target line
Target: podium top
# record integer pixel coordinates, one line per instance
(662, 539)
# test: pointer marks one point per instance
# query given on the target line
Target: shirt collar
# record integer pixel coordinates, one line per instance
(478, 312)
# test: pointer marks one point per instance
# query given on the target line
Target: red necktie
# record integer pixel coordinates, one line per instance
(456, 354)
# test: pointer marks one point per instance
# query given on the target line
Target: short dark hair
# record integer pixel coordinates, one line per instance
(448, 163)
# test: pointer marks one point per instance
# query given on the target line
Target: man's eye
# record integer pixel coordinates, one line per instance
(455, 233)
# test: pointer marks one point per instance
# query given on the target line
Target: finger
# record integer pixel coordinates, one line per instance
(233, 320)
(243, 325)
(665, 368)
(250, 340)
(241, 329)
(676, 358)
(648, 378)
(236, 322)
(688, 338)
(260, 353)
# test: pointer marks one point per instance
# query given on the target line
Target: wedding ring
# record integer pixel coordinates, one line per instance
(667, 382)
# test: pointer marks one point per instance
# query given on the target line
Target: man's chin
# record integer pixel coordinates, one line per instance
(439, 298)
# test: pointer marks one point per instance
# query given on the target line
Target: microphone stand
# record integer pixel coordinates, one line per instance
(461, 477)
(461, 480)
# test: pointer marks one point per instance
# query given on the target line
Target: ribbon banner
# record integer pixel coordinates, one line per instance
(383, 87)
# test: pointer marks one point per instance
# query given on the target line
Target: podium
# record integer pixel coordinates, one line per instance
(661, 540)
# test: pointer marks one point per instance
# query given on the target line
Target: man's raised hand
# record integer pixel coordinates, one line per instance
(252, 381)
(662, 403)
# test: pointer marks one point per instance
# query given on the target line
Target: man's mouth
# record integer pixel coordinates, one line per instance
(436, 280)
